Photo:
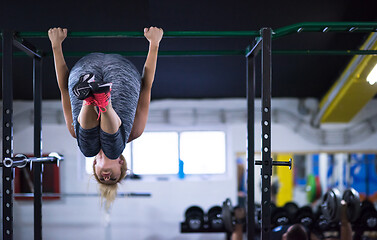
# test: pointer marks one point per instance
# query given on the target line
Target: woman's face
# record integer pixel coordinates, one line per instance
(107, 170)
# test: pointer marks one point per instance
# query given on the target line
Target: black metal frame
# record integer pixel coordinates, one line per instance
(250, 94)
(266, 133)
(7, 85)
(37, 167)
(9, 41)
(262, 44)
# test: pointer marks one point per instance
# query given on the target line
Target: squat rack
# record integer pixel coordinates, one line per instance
(263, 40)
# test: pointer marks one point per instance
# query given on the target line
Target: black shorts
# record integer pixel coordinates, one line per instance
(91, 141)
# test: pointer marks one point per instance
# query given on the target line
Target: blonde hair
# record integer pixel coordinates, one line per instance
(108, 191)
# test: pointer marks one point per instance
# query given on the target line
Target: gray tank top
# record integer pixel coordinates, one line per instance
(125, 79)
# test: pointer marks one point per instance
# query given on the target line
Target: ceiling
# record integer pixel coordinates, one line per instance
(194, 77)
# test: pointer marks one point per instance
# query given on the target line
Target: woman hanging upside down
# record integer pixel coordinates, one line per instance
(105, 103)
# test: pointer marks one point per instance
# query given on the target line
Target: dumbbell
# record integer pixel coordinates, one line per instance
(194, 217)
(292, 209)
(322, 224)
(368, 215)
(227, 214)
(215, 218)
(305, 216)
(258, 217)
(283, 215)
(279, 216)
(331, 204)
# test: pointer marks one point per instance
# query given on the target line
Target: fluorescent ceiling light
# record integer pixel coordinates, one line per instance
(372, 77)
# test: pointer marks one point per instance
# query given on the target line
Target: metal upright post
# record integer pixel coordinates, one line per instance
(266, 134)
(7, 85)
(250, 94)
(37, 83)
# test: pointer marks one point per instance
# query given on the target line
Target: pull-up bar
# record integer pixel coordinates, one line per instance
(283, 31)
(325, 27)
(139, 34)
(215, 53)
(322, 27)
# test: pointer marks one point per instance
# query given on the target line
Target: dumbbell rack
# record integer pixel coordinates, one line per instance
(197, 221)
(204, 229)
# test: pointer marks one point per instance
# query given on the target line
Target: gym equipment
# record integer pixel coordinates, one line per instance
(280, 216)
(322, 223)
(331, 204)
(305, 216)
(215, 218)
(258, 217)
(228, 215)
(292, 209)
(9, 41)
(368, 215)
(352, 198)
(20, 160)
(310, 188)
(194, 217)
(313, 188)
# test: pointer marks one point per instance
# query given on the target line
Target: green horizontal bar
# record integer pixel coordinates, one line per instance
(168, 53)
(144, 53)
(218, 53)
(298, 27)
(321, 27)
(325, 52)
(134, 34)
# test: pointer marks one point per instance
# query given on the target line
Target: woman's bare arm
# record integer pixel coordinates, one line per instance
(154, 36)
(57, 36)
(345, 225)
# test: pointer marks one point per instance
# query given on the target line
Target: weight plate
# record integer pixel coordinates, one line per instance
(311, 188)
(368, 215)
(331, 205)
(318, 188)
(292, 209)
(305, 216)
(352, 198)
(194, 217)
(194, 210)
(215, 217)
(280, 216)
(227, 215)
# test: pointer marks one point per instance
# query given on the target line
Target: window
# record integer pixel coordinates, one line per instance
(203, 152)
(157, 153)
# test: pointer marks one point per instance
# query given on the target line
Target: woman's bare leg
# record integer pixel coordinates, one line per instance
(110, 121)
(88, 117)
